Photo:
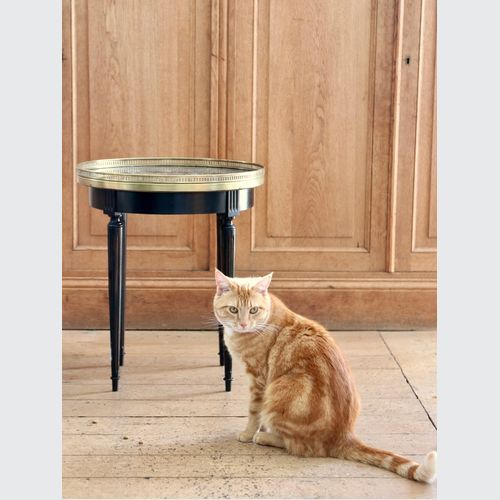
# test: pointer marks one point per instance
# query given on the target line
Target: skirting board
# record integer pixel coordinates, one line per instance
(362, 306)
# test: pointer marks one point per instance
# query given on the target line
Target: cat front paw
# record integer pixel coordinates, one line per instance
(245, 437)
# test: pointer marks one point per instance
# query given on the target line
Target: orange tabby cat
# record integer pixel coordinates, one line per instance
(302, 392)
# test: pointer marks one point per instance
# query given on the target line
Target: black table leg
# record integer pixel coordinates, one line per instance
(123, 266)
(228, 239)
(220, 266)
(221, 345)
(115, 285)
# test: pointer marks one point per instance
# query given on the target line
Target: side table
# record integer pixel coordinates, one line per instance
(177, 186)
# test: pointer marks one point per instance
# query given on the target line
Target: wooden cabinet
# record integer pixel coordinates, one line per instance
(335, 98)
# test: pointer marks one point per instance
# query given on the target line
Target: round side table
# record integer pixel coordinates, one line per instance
(166, 186)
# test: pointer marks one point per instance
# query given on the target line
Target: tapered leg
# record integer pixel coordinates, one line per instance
(220, 266)
(222, 346)
(228, 247)
(228, 369)
(123, 266)
(115, 285)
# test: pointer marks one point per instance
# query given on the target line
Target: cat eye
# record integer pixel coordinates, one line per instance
(233, 309)
(254, 310)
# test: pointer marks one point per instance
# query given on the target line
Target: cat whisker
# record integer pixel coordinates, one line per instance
(210, 323)
(209, 319)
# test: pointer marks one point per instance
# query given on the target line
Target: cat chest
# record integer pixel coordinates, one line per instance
(254, 358)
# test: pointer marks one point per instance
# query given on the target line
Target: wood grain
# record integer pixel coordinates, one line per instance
(336, 308)
(214, 441)
(405, 408)
(245, 488)
(141, 88)
(201, 466)
(415, 217)
(321, 96)
(425, 182)
(320, 121)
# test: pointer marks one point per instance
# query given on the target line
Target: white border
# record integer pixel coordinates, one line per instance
(30, 370)
(469, 249)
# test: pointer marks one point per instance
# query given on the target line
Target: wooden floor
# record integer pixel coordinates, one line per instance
(170, 430)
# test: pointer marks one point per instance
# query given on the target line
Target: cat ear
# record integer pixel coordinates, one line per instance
(263, 284)
(223, 282)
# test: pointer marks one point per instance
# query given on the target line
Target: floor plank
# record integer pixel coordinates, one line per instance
(369, 389)
(217, 442)
(73, 358)
(387, 424)
(243, 487)
(199, 343)
(210, 375)
(218, 465)
(397, 408)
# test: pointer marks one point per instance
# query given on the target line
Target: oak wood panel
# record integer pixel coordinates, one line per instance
(309, 96)
(141, 87)
(425, 210)
(314, 180)
(415, 148)
(67, 136)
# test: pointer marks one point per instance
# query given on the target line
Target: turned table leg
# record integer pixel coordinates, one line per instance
(116, 285)
(227, 231)
(220, 266)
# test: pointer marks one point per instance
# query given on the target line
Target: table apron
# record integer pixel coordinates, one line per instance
(177, 203)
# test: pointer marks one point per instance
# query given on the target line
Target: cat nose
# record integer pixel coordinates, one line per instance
(243, 325)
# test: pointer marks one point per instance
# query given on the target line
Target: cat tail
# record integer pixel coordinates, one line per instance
(359, 452)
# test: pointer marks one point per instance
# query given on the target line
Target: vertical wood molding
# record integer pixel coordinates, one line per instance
(393, 185)
(424, 210)
(215, 77)
(67, 131)
(218, 98)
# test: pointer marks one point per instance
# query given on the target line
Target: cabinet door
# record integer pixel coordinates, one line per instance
(138, 76)
(415, 217)
(309, 95)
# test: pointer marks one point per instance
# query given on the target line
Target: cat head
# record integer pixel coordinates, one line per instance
(242, 304)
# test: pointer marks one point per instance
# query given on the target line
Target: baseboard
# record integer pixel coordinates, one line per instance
(379, 304)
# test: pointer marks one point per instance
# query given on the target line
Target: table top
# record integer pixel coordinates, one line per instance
(170, 174)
